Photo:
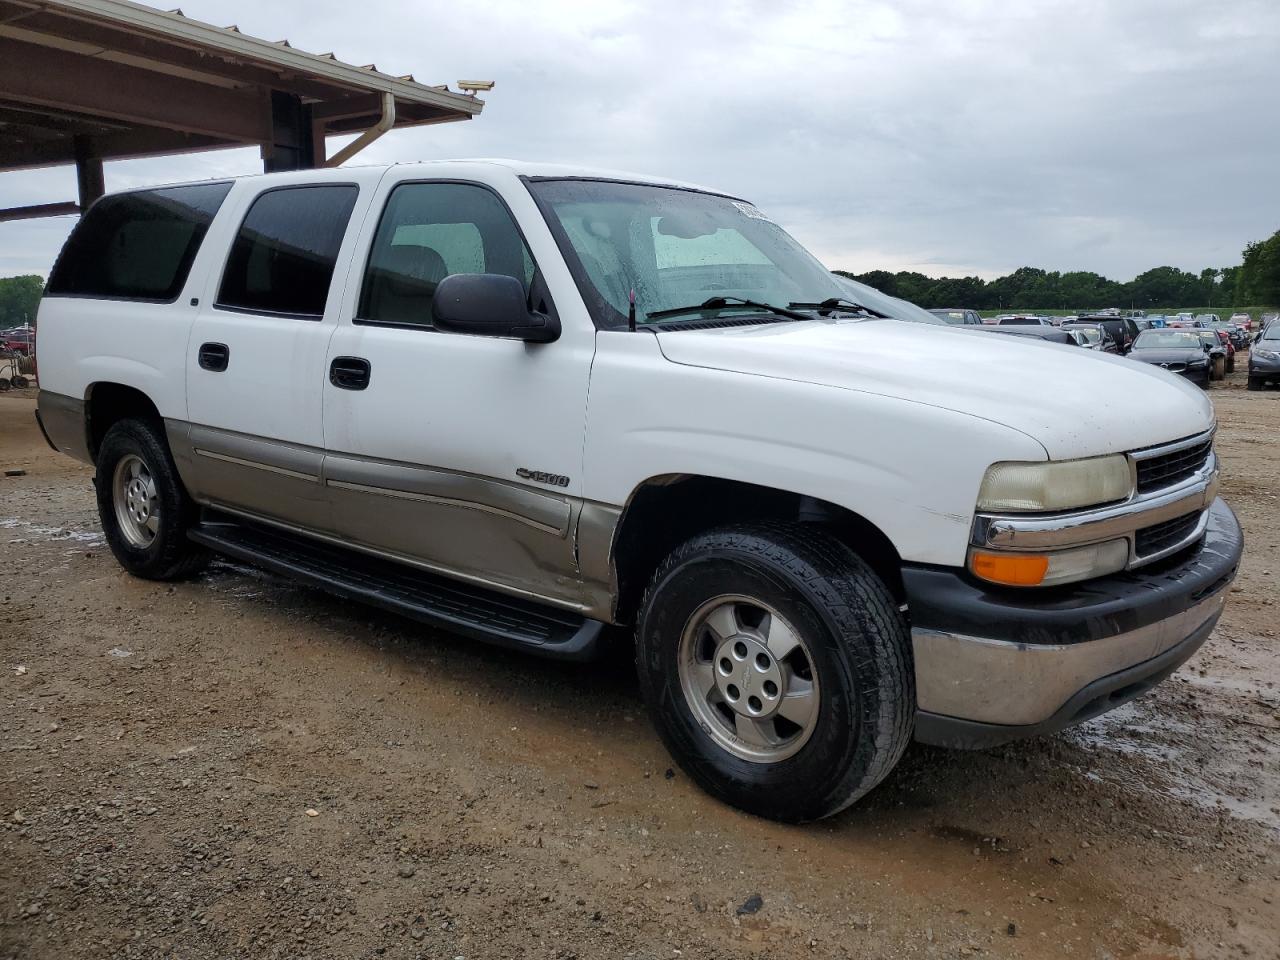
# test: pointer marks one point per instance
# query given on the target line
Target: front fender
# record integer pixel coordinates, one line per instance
(911, 469)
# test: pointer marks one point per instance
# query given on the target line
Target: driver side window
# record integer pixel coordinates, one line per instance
(429, 231)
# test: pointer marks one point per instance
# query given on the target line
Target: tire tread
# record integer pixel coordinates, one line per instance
(177, 557)
(847, 593)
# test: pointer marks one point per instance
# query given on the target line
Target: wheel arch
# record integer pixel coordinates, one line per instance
(107, 403)
(664, 511)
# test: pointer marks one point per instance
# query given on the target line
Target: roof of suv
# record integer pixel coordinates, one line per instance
(538, 168)
(521, 168)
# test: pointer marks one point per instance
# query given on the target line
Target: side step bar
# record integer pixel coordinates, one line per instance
(449, 604)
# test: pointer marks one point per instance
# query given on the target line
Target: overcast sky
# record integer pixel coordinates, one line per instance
(956, 137)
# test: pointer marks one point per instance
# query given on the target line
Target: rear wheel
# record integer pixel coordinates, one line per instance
(145, 510)
(777, 669)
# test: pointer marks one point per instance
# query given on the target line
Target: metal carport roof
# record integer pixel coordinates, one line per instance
(82, 81)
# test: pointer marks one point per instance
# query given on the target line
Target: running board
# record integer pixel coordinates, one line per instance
(441, 602)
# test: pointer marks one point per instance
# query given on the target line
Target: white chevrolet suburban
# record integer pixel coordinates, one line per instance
(525, 402)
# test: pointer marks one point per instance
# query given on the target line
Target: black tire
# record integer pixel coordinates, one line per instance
(859, 647)
(1255, 383)
(170, 555)
(21, 382)
(5, 384)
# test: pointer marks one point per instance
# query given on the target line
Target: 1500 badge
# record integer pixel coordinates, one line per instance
(537, 476)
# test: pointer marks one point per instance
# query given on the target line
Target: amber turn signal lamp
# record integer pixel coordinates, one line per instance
(1015, 570)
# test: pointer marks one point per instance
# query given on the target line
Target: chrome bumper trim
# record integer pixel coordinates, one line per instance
(995, 681)
(1121, 520)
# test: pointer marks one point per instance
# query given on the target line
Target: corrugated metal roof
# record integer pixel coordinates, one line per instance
(125, 80)
(176, 26)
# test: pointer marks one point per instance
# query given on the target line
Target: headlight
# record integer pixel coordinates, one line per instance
(1060, 485)
(1266, 355)
(1198, 363)
(1050, 568)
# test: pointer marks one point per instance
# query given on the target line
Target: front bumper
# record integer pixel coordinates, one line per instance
(995, 664)
(1196, 374)
(1264, 367)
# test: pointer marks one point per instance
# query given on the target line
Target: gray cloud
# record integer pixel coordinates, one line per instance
(967, 137)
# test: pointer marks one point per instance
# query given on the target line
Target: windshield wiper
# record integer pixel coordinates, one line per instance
(836, 303)
(719, 303)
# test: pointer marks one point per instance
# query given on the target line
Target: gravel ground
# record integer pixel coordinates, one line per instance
(239, 767)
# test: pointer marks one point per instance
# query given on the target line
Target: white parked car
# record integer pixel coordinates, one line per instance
(525, 401)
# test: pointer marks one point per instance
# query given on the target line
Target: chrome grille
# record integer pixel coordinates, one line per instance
(1155, 473)
(1161, 536)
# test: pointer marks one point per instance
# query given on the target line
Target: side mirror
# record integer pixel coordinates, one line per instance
(490, 305)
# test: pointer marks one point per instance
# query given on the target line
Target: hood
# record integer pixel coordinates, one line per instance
(1076, 403)
(1167, 355)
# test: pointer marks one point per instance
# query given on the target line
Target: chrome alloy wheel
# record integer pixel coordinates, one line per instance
(133, 491)
(749, 679)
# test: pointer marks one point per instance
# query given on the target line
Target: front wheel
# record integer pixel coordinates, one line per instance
(777, 669)
(144, 508)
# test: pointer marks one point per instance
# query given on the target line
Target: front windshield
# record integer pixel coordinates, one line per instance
(1091, 335)
(1166, 340)
(1272, 332)
(676, 248)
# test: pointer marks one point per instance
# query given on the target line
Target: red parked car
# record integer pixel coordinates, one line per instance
(19, 341)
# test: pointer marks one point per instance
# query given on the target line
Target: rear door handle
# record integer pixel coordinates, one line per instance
(349, 373)
(214, 356)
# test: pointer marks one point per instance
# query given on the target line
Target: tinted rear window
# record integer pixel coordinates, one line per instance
(283, 257)
(137, 246)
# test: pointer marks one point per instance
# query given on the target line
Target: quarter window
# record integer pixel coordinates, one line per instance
(137, 246)
(429, 231)
(283, 257)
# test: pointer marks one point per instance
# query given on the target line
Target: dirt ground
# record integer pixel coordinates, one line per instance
(240, 767)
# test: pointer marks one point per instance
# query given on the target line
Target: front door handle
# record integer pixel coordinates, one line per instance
(214, 356)
(349, 373)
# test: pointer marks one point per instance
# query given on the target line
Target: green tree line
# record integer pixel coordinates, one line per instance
(19, 297)
(1255, 281)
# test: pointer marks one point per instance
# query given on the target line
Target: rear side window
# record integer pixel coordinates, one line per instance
(137, 246)
(283, 257)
